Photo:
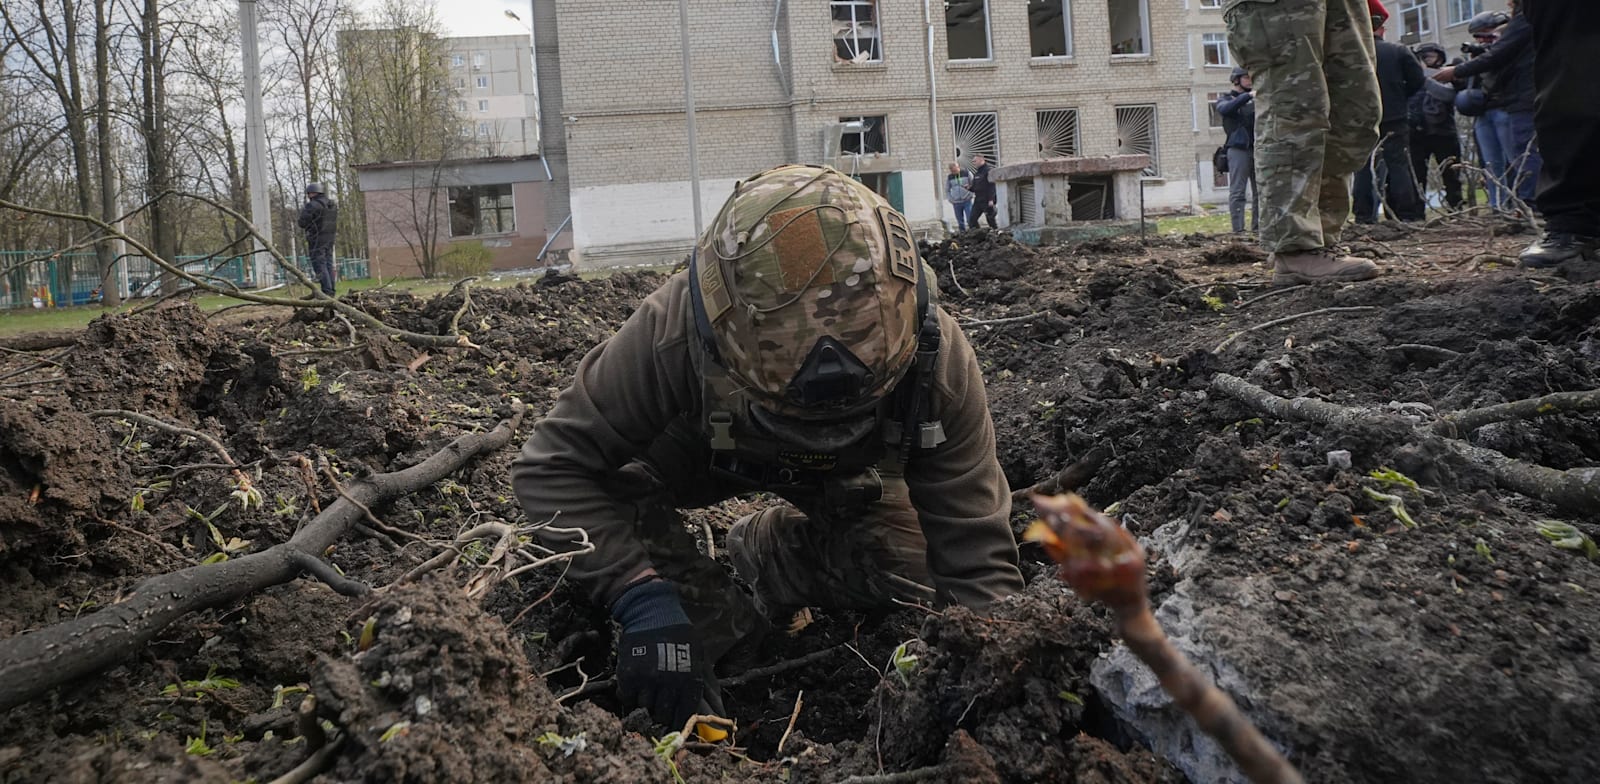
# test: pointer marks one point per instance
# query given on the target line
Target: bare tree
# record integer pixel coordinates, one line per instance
(399, 106)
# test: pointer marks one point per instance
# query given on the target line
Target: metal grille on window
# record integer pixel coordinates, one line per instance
(1136, 134)
(977, 134)
(1027, 205)
(855, 31)
(1058, 133)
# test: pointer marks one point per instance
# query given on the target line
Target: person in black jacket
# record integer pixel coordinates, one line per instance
(1567, 115)
(1399, 78)
(1433, 128)
(1238, 111)
(1506, 72)
(983, 192)
(319, 218)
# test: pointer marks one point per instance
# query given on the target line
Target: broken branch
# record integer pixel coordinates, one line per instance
(34, 662)
(1286, 319)
(1461, 423)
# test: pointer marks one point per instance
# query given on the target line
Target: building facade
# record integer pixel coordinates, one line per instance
(848, 83)
(493, 80)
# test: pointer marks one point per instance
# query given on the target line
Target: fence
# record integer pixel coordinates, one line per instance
(43, 279)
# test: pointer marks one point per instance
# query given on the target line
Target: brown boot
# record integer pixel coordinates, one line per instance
(1312, 266)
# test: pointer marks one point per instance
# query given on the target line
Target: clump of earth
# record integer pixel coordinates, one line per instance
(1451, 643)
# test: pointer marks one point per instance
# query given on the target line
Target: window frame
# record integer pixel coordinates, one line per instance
(1154, 169)
(1221, 47)
(1040, 116)
(1423, 9)
(1144, 31)
(504, 207)
(852, 30)
(1212, 5)
(1211, 111)
(1066, 24)
(1460, 12)
(991, 154)
(864, 135)
(988, 37)
(483, 105)
(482, 83)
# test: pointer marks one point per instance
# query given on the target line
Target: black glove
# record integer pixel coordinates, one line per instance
(658, 653)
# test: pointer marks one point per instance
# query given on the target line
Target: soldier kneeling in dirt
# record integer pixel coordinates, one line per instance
(801, 354)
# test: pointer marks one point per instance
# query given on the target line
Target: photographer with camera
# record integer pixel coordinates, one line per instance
(1505, 129)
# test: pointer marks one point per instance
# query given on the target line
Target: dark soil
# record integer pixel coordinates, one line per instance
(1463, 649)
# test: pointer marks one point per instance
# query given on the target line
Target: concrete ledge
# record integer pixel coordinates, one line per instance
(1083, 231)
(1104, 164)
(641, 254)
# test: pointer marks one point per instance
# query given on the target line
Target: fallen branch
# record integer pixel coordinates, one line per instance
(1461, 423)
(241, 481)
(794, 715)
(1102, 562)
(1008, 320)
(1269, 295)
(1286, 319)
(1074, 476)
(34, 662)
(1577, 488)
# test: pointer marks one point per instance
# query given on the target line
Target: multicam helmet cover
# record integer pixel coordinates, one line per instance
(806, 268)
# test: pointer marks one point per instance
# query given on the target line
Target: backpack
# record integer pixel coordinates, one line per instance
(956, 190)
(1219, 160)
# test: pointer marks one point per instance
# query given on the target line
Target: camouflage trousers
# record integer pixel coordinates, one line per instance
(791, 555)
(1317, 111)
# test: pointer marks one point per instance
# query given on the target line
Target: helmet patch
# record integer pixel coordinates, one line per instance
(801, 248)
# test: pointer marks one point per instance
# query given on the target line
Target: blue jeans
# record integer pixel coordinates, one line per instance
(322, 270)
(1487, 130)
(963, 214)
(1522, 155)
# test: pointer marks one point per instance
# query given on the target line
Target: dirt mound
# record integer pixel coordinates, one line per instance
(1368, 648)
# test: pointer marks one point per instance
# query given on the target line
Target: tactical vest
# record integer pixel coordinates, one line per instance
(843, 482)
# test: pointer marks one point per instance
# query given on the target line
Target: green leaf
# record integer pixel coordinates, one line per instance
(1390, 477)
(1070, 697)
(395, 730)
(1566, 537)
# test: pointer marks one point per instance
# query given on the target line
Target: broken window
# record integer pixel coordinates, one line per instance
(977, 134)
(863, 135)
(1215, 47)
(481, 209)
(1136, 134)
(966, 26)
(1049, 28)
(1211, 107)
(855, 31)
(1130, 27)
(1058, 132)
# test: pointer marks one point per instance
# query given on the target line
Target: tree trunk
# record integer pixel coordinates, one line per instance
(106, 256)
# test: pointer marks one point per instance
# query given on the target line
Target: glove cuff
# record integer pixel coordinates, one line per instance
(653, 604)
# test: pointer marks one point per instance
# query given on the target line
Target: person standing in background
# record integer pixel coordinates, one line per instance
(319, 220)
(1238, 111)
(958, 191)
(982, 191)
(1566, 114)
(1387, 172)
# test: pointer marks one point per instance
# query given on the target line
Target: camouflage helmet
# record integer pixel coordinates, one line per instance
(809, 292)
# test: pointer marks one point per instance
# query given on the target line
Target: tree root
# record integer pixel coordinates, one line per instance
(1577, 489)
(1074, 476)
(34, 662)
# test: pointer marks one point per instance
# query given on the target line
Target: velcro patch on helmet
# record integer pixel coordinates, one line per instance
(902, 246)
(801, 248)
(713, 289)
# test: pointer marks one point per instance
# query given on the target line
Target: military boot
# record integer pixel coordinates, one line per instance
(1313, 266)
(1556, 247)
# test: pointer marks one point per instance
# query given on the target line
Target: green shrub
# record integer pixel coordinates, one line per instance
(466, 260)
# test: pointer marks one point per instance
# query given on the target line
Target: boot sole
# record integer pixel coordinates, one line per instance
(1282, 278)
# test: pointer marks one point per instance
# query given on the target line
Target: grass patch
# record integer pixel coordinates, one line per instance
(22, 320)
(1215, 223)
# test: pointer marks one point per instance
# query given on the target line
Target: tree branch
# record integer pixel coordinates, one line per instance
(35, 662)
(1461, 423)
(1577, 489)
(1286, 319)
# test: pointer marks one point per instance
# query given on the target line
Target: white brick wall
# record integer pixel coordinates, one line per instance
(622, 96)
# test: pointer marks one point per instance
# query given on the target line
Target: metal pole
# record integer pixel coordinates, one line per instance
(255, 138)
(933, 120)
(688, 111)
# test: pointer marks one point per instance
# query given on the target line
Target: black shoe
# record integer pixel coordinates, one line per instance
(1556, 247)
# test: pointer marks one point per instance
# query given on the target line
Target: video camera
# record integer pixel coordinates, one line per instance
(1473, 50)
